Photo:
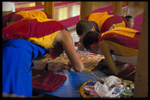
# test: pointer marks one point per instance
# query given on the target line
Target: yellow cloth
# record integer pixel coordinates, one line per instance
(122, 30)
(39, 19)
(99, 18)
(32, 13)
(43, 40)
(125, 51)
(122, 24)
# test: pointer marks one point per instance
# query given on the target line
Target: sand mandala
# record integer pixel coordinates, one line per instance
(89, 60)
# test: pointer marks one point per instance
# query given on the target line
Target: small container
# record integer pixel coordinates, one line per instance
(117, 90)
(127, 94)
(132, 86)
(127, 82)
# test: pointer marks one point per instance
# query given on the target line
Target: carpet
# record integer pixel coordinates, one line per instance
(138, 22)
(70, 21)
(107, 8)
(42, 6)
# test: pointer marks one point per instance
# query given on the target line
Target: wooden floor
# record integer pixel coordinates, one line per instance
(71, 10)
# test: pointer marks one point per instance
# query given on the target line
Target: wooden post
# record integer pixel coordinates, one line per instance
(141, 76)
(7, 7)
(85, 9)
(124, 3)
(49, 8)
(131, 3)
(38, 3)
(117, 8)
(142, 4)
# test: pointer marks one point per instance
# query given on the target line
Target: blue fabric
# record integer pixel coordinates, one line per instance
(96, 26)
(17, 65)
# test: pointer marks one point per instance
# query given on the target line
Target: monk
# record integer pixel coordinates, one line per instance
(130, 20)
(121, 42)
(100, 22)
(16, 16)
(27, 39)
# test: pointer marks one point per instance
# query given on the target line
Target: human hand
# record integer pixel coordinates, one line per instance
(57, 66)
(69, 64)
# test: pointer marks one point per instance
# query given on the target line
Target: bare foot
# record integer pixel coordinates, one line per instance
(123, 67)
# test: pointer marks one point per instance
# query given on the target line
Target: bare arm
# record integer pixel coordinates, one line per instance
(38, 66)
(66, 40)
(105, 49)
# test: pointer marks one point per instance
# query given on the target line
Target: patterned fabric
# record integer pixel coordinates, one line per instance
(105, 20)
(125, 39)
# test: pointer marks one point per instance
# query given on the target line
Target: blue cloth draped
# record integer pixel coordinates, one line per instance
(17, 65)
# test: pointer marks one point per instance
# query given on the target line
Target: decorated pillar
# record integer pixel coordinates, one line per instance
(141, 76)
(49, 8)
(85, 9)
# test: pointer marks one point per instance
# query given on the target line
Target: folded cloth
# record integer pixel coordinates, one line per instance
(47, 81)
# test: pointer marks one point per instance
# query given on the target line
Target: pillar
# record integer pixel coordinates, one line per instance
(142, 4)
(141, 76)
(85, 9)
(49, 8)
(7, 7)
(117, 7)
(124, 3)
(131, 3)
(38, 3)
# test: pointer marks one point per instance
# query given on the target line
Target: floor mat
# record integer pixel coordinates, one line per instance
(42, 6)
(138, 22)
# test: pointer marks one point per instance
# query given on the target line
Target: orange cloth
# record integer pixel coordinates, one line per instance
(105, 20)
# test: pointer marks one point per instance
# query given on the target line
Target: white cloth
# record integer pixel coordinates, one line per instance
(8, 6)
(103, 90)
(129, 60)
